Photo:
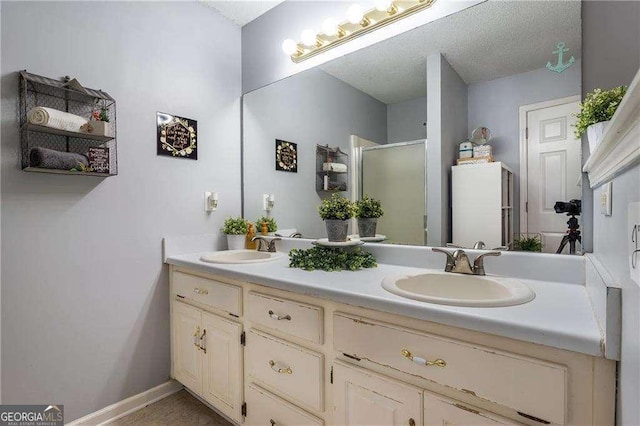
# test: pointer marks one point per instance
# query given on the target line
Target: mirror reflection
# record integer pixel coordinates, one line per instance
(465, 140)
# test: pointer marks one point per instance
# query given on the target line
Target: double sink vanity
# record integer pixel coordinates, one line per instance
(405, 343)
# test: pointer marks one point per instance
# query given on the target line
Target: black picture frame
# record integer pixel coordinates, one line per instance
(286, 156)
(176, 136)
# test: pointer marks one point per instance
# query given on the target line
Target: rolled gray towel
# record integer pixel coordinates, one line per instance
(51, 159)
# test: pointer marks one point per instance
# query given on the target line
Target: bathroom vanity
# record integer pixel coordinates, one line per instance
(270, 345)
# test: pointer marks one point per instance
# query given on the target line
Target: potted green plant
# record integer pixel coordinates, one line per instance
(236, 229)
(336, 212)
(272, 225)
(596, 111)
(528, 243)
(368, 210)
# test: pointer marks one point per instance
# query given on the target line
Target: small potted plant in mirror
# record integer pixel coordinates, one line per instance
(336, 212)
(266, 225)
(368, 210)
(235, 228)
(528, 243)
(595, 112)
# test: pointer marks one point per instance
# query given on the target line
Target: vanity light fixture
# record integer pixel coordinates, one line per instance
(359, 22)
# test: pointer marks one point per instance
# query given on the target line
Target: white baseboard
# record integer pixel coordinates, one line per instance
(129, 405)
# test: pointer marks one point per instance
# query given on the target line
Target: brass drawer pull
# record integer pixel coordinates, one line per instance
(277, 369)
(200, 290)
(438, 362)
(412, 422)
(273, 423)
(279, 317)
(203, 342)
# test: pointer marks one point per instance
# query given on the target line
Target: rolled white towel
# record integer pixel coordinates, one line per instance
(49, 117)
(334, 167)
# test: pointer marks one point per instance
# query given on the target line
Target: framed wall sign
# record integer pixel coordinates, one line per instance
(286, 156)
(98, 158)
(177, 136)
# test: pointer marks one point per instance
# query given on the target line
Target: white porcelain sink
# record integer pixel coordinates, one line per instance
(241, 256)
(459, 289)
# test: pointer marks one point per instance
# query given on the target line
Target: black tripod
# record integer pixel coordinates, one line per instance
(572, 236)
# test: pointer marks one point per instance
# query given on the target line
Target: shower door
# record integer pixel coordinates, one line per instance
(396, 175)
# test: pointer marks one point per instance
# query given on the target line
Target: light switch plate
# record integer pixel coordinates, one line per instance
(633, 218)
(605, 199)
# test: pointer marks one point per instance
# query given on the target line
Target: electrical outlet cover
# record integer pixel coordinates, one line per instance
(632, 238)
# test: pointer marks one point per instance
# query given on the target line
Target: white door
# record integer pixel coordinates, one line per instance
(187, 358)
(553, 171)
(439, 411)
(364, 398)
(222, 369)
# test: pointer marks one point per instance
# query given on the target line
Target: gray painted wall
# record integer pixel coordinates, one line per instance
(85, 296)
(495, 104)
(308, 108)
(406, 120)
(447, 105)
(611, 57)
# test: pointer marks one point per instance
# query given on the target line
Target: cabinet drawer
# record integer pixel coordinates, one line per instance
(289, 369)
(533, 387)
(287, 316)
(226, 297)
(265, 409)
(440, 410)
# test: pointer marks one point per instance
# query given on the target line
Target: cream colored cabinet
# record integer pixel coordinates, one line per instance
(270, 410)
(207, 357)
(439, 410)
(364, 398)
(187, 357)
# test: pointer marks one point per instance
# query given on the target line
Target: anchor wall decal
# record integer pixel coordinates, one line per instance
(560, 66)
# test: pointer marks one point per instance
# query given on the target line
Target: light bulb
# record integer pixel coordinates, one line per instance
(330, 27)
(308, 37)
(383, 5)
(289, 47)
(355, 14)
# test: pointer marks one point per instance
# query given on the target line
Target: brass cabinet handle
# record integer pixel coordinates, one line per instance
(200, 290)
(273, 423)
(438, 362)
(412, 422)
(203, 343)
(277, 369)
(195, 337)
(279, 317)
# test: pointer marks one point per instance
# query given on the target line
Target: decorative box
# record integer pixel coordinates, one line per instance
(475, 160)
(466, 150)
(482, 151)
(100, 128)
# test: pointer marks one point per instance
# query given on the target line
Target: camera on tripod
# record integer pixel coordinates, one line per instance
(572, 208)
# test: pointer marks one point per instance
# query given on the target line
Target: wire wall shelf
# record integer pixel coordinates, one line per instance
(39, 91)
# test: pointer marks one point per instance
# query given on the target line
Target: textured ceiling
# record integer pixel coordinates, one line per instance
(242, 12)
(491, 40)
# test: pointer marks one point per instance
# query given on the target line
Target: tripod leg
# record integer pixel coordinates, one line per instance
(563, 243)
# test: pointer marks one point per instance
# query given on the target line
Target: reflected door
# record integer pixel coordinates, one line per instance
(553, 171)
(396, 175)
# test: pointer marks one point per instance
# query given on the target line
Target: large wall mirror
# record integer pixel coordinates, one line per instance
(400, 109)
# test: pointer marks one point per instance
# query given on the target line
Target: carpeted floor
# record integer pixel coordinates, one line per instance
(176, 410)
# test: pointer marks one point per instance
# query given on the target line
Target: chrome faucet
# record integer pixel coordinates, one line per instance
(264, 245)
(458, 262)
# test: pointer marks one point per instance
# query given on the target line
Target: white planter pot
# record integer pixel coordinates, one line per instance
(98, 128)
(594, 134)
(235, 242)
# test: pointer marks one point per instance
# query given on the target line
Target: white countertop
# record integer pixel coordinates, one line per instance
(560, 316)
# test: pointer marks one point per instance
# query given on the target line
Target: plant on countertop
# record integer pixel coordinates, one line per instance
(598, 106)
(272, 225)
(336, 207)
(368, 208)
(235, 226)
(326, 259)
(528, 244)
